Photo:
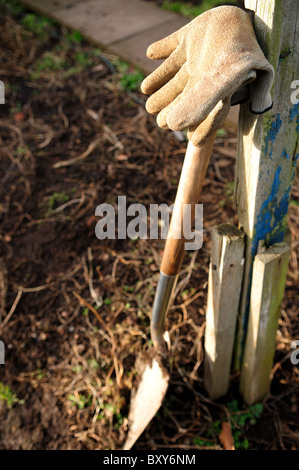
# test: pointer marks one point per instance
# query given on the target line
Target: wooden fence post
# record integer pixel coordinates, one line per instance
(225, 280)
(268, 280)
(268, 145)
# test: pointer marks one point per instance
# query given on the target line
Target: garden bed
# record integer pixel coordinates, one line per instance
(74, 135)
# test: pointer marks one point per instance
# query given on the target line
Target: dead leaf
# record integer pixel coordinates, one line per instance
(226, 437)
(122, 157)
(19, 116)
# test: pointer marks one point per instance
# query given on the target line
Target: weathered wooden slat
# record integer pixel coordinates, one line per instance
(225, 279)
(267, 289)
(268, 144)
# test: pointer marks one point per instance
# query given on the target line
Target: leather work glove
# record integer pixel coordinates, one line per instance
(211, 63)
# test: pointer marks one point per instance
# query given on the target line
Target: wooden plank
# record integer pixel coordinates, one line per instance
(225, 279)
(268, 282)
(268, 144)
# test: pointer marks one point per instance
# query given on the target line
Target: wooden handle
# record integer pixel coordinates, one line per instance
(191, 181)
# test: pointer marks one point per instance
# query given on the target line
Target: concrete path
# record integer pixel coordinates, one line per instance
(123, 27)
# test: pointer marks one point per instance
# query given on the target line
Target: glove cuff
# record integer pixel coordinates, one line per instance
(260, 90)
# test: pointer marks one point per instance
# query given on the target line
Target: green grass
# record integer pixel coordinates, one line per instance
(81, 401)
(54, 199)
(130, 77)
(74, 37)
(7, 397)
(238, 418)
(57, 62)
(111, 409)
(17, 108)
(191, 11)
(37, 25)
(11, 7)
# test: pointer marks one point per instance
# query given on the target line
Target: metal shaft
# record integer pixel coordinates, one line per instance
(165, 287)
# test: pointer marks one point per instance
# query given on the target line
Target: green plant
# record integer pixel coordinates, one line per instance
(131, 77)
(238, 418)
(191, 11)
(129, 288)
(203, 442)
(49, 62)
(38, 25)
(220, 132)
(229, 192)
(54, 199)
(17, 108)
(39, 374)
(11, 7)
(93, 363)
(106, 409)
(74, 37)
(80, 401)
(7, 397)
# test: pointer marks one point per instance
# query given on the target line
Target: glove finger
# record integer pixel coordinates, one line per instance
(202, 98)
(167, 94)
(164, 72)
(199, 134)
(164, 47)
(162, 116)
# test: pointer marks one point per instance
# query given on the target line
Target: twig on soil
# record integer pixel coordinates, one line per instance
(11, 311)
(92, 146)
(107, 328)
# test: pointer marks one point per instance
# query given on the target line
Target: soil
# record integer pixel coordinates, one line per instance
(75, 309)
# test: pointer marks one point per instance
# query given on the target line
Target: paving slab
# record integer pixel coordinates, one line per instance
(134, 49)
(124, 27)
(49, 6)
(103, 21)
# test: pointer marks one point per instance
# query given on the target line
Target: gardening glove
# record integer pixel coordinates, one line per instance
(211, 63)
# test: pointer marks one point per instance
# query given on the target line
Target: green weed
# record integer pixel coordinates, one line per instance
(238, 418)
(93, 363)
(106, 409)
(80, 401)
(54, 199)
(49, 62)
(57, 62)
(7, 397)
(75, 37)
(203, 442)
(38, 25)
(229, 192)
(17, 108)
(191, 11)
(128, 288)
(131, 77)
(11, 7)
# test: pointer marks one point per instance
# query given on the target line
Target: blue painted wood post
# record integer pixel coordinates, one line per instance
(268, 145)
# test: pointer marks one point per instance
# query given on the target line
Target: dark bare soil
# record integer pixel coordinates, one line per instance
(75, 310)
